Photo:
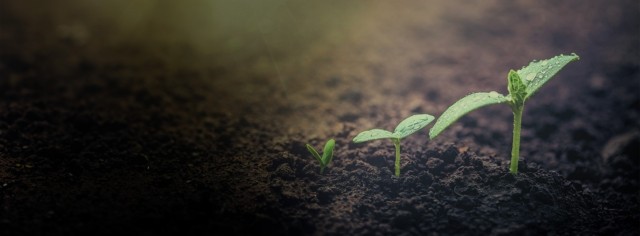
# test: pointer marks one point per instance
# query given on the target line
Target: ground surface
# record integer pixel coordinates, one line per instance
(109, 128)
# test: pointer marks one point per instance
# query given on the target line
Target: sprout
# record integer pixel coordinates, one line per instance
(327, 154)
(521, 85)
(405, 128)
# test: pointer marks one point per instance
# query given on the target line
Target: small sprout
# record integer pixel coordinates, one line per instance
(522, 84)
(327, 154)
(405, 128)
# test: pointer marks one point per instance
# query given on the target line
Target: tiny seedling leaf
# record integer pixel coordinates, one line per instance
(411, 125)
(327, 153)
(537, 73)
(372, 135)
(314, 153)
(463, 106)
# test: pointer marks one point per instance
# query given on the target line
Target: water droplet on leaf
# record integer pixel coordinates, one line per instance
(530, 76)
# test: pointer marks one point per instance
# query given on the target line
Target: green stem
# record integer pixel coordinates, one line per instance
(515, 148)
(321, 168)
(396, 143)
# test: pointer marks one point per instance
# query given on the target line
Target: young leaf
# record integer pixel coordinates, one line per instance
(411, 125)
(327, 153)
(314, 153)
(537, 73)
(372, 135)
(463, 106)
(517, 89)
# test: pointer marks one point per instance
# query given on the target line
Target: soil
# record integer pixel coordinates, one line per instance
(159, 127)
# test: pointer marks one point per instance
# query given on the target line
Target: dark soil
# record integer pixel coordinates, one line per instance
(173, 125)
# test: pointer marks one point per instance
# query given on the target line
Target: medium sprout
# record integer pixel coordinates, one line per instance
(405, 128)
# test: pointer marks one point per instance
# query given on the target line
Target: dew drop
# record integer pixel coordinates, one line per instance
(544, 63)
(530, 76)
(494, 94)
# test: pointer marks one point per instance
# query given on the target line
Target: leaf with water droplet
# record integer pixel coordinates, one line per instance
(530, 76)
(372, 135)
(463, 106)
(406, 127)
(412, 124)
(555, 64)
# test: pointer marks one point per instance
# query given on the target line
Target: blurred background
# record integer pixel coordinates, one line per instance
(314, 69)
(230, 29)
(139, 105)
(317, 68)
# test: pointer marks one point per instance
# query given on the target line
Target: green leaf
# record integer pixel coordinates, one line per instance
(537, 73)
(517, 89)
(314, 153)
(411, 125)
(372, 135)
(464, 106)
(327, 153)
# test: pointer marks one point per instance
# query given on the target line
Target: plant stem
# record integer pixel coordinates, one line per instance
(321, 168)
(515, 147)
(396, 143)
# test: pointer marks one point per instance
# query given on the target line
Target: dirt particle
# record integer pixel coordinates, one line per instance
(352, 97)
(377, 160)
(403, 219)
(542, 196)
(435, 164)
(284, 171)
(333, 81)
(325, 195)
(349, 117)
(523, 185)
(426, 179)
(449, 155)
(465, 203)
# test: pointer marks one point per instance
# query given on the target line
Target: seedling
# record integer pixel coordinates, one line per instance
(327, 154)
(522, 84)
(405, 128)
